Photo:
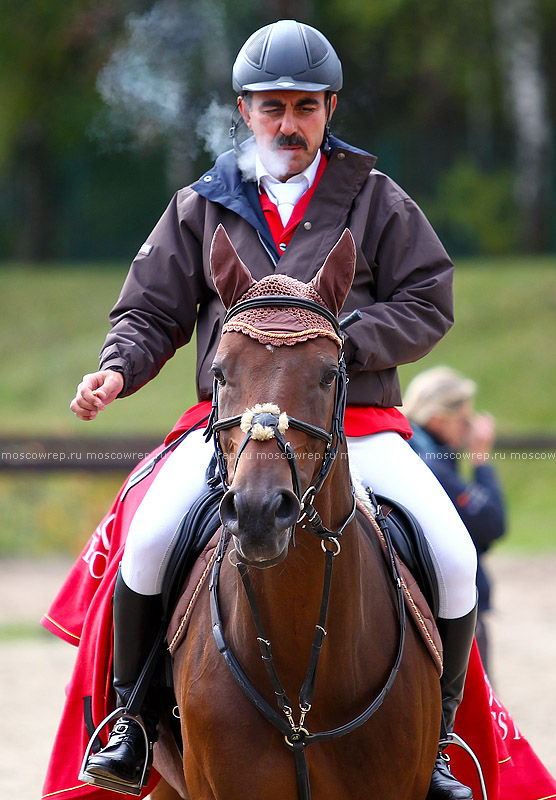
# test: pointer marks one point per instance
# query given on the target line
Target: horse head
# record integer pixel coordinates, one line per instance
(279, 390)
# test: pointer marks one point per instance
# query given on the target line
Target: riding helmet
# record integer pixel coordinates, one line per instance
(287, 55)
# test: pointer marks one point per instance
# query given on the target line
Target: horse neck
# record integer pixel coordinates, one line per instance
(292, 591)
(289, 597)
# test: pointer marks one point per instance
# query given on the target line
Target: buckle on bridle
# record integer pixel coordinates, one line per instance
(306, 502)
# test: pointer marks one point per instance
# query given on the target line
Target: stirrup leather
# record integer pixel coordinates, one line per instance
(113, 784)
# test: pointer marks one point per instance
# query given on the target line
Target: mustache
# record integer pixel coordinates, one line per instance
(289, 141)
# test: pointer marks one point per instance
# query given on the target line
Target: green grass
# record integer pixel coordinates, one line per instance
(503, 338)
(54, 320)
(529, 488)
(53, 323)
(15, 631)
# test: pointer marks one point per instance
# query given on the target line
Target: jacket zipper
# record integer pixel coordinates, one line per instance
(271, 255)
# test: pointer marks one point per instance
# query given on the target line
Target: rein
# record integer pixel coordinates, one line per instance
(296, 736)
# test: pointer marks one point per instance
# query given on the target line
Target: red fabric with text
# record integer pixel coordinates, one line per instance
(81, 614)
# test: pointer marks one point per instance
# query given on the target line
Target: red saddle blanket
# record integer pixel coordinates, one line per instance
(81, 614)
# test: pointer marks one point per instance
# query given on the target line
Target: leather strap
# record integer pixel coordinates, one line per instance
(284, 301)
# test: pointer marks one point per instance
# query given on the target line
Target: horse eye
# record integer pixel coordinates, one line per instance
(329, 377)
(219, 375)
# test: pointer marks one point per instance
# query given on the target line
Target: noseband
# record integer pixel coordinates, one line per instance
(264, 423)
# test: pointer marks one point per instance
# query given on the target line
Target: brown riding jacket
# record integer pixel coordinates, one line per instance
(403, 279)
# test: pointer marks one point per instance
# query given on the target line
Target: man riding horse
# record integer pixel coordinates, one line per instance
(284, 197)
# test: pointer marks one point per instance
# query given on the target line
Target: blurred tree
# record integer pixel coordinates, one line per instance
(414, 68)
(429, 82)
(170, 62)
(476, 209)
(517, 25)
(103, 97)
(47, 68)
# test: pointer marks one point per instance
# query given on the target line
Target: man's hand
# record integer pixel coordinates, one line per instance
(95, 392)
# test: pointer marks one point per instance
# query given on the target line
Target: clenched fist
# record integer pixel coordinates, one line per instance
(95, 392)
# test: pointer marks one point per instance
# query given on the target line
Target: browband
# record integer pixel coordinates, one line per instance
(287, 301)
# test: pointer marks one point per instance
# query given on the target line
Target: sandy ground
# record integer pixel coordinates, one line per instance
(34, 669)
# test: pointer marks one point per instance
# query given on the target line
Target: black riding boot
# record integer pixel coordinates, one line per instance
(119, 765)
(457, 638)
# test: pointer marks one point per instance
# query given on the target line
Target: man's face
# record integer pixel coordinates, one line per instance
(288, 128)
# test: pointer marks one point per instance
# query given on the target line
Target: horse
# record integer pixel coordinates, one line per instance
(273, 605)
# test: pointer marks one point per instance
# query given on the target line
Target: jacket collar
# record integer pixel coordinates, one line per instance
(224, 184)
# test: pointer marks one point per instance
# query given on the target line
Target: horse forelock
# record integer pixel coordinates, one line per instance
(280, 325)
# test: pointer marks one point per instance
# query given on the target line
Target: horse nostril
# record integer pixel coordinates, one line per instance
(287, 508)
(265, 512)
(228, 511)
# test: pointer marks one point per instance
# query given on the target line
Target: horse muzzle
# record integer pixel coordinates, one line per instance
(261, 522)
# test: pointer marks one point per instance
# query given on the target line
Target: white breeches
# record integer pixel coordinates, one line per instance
(153, 529)
(384, 461)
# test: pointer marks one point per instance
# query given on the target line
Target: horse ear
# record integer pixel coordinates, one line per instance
(230, 275)
(333, 280)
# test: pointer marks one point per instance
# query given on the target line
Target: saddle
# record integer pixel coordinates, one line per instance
(412, 548)
(202, 521)
(193, 555)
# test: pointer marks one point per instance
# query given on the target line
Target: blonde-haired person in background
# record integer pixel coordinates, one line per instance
(446, 432)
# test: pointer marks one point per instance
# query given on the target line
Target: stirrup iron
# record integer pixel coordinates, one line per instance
(453, 738)
(113, 784)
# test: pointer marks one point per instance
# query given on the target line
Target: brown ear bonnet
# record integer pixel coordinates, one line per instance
(273, 325)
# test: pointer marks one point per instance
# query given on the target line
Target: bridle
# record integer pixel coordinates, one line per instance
(296, 735)
(332, 439)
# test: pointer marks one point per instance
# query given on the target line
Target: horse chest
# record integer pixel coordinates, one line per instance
(227, 739)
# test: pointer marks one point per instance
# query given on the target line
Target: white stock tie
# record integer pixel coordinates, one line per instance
(286, 195)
